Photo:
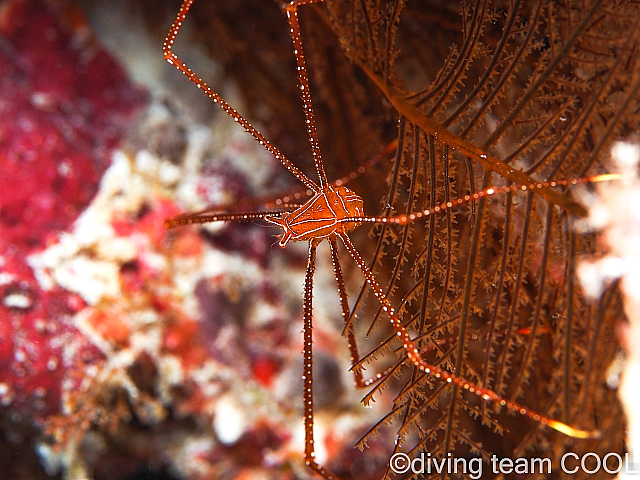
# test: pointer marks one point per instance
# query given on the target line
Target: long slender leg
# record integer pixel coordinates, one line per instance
(202, 217)
(173, 59)
(487, 192)
(344, 302)
(414, 356)
(307, 375)
(360, 382)
(292, 14)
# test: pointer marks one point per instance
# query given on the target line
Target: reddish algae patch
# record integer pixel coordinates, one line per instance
(64, 105)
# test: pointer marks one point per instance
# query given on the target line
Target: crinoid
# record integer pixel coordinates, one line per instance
(505, 101)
